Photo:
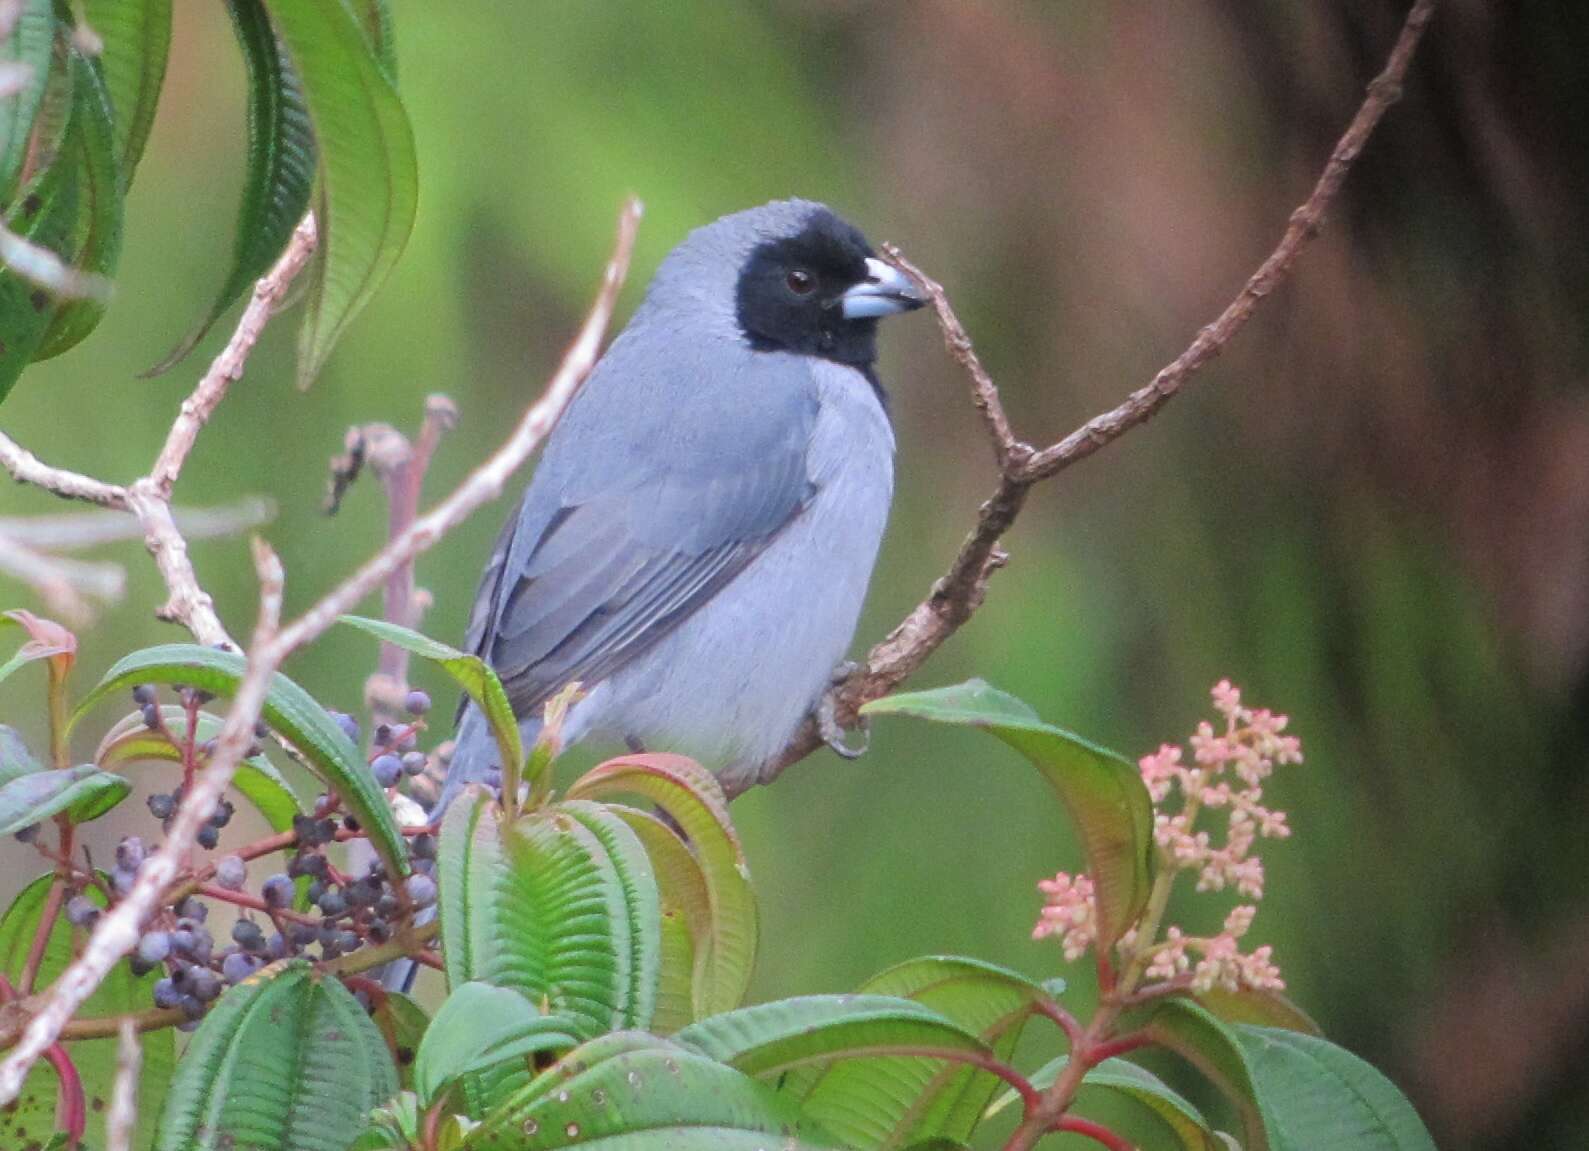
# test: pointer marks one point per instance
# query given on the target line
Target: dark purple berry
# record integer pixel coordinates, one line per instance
(347, 941)
(417, 703)
(222, 815)
(193, 1009)
(194, 908)
(382, 736)
(386, 904)
(423, 846)
(154, 948)
(130, 853)
(144, 694)
(247, 935)
(278, 891)
(414, 763)
(162, 806)
(378, 930)
(421, 890)
(208, 837)
(151, 716)
(238, 967)
(231, 873)
(166, 993)
(301, 934)
(28, 834)
(121, 881)
(82, 911)
(388, 769)
(349, 725)
(350, 823)
(332, 904)
(202, 984)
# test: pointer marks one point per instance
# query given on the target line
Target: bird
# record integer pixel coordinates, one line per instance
(696, 543)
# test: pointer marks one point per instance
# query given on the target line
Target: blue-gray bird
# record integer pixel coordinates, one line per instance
(695, 546)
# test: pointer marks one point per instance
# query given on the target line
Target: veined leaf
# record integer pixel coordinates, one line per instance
(641, 900)
(27, 47)
(286, 1059)
(32, 1121)
(692, 798)
(84, 792)
(652, 1097)
(1145, 1092)
(44, 215)
(376, 18)
(469, 672)
(686, 918)
(1214, 1049)
(1323, 1098)
(479, 1026)
(257, 780)
(1102, 791)
(288, 709)
(137, 44)
(899, 1101)
(770, 1038)
(1260, 1008)
(281, 165)
(96, 243)
(368, 172)
(15, 758)
(537, 906)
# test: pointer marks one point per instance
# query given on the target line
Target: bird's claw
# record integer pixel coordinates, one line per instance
(833, 734)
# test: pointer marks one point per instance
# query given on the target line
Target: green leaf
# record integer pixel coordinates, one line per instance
(469, 672)
(537, 906)
(44, 215)
(1145, 1093)
(96, 245)
(1321, 1097)
(402, 1023)
(290, 710)
(686, 918)
(281, 166)
(770, 1038)
(898, 1101)
(84, 792)
(1102, 791)
(480, 1026)
(689, 795)
(375, 17)
(32, 1121)
(287, 1059)
(1214, 1049)
(641, 900)
(367, 168)
(257, 780)
(137, 44)
(1261, 1008)
(651, 1097)
(28, 46)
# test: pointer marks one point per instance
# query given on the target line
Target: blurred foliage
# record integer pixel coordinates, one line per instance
(1374, 512)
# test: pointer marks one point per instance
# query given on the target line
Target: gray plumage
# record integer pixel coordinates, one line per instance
(696, 543)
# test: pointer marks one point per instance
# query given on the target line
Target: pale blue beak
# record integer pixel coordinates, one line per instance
(886, 291)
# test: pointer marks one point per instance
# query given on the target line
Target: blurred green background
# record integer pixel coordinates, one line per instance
(1373, 512)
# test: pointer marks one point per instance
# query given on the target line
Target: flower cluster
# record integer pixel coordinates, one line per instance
(1070, 911)
(1227, 774)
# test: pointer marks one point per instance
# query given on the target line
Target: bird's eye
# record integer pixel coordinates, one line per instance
(801, 282)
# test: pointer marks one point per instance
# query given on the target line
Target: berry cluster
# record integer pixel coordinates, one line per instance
(313, 908)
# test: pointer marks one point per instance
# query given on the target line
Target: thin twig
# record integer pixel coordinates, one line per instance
(123, 1117)
(118, 931)
(957, 595)
(72, 531)
(65, 585)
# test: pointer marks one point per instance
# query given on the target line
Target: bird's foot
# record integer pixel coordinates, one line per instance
(832, 732)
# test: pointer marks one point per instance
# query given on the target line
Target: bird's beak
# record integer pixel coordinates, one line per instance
(885, 291)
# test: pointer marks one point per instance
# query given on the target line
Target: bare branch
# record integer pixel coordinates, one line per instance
(73, 530)
(958, 594)
(65, 585)
(122, 1121)
(118, 930)
(27, 468)
(228, 366)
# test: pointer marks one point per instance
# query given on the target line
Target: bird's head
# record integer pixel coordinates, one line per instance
(790, 276)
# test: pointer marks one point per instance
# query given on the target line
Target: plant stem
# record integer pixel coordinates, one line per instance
(1097, 1132)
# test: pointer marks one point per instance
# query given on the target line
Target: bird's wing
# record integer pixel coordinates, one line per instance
(576, 590)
